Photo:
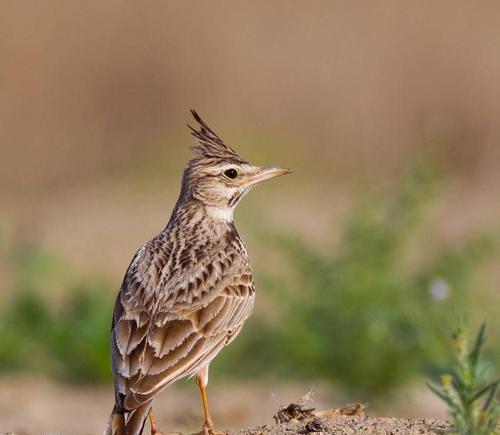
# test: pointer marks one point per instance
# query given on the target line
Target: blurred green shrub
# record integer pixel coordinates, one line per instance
(65, 339)
(359, 315)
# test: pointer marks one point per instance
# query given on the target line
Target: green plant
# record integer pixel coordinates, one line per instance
(67, 342)
(467, 392)
(66, 338)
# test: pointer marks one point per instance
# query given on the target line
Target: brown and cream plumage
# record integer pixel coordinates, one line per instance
(188, 291)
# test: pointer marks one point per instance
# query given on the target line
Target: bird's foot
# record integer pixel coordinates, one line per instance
(159, 432)
(155, 430)
(209, 430)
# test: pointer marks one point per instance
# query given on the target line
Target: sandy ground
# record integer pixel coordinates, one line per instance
(346, 425)
(38, 406)
(302, 418)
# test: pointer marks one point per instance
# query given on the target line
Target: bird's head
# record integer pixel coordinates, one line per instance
(217, 176)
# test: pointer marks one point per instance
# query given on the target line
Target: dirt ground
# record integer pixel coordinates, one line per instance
(37, 406)
(344, 425)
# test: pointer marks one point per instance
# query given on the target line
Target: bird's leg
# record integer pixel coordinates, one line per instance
(155, 430)
(202, 381)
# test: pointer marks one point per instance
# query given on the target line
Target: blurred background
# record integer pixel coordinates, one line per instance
(385, 235)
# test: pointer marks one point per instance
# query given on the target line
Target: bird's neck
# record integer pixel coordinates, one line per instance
(193, 212)
(190, 199)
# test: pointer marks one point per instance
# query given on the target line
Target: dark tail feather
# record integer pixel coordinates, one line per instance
(128, 422)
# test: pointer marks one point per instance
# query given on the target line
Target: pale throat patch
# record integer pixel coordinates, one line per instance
(220, 213)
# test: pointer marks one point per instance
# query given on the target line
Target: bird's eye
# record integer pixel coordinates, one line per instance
(231, 173)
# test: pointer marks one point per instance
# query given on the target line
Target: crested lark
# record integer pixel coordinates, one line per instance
(188, 291)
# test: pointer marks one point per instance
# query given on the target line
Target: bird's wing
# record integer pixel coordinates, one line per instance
(157, 339)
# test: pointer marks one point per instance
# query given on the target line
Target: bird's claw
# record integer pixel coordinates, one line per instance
(209, 430)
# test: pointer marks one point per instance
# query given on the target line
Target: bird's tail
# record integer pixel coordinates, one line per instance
(128, 422)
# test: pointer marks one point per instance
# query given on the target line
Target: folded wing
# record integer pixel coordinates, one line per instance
(163, 332)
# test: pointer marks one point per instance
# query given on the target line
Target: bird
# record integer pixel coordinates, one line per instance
(188, 291)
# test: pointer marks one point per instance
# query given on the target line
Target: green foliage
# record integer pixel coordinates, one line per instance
(359, 315)
(468, 393)
(69, 339)
(70, 343)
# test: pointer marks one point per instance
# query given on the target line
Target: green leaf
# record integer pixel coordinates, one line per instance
(449, 401)
(474, 355)
(489, 400)
(484, 390)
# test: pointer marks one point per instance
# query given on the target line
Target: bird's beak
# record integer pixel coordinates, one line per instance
(262, 174)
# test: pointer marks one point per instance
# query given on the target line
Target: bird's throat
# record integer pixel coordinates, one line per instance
(220, 214)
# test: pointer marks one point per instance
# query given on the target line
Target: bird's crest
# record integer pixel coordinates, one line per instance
(209, 144)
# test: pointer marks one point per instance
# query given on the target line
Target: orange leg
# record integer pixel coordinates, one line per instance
(155, 430)
(208, 424)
